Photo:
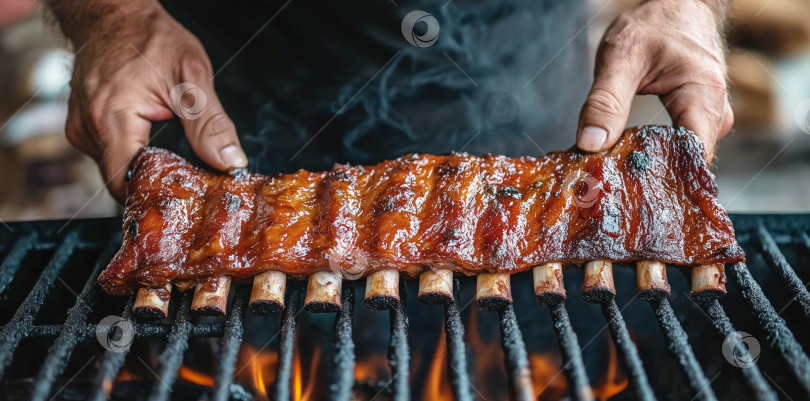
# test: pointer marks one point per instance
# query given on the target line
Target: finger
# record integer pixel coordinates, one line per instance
(122, 138)
(703, 109)
(728, 119)
(77, 133)
(210, 132)
(79, 138)
(604, 115)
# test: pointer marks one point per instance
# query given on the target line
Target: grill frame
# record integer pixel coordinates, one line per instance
(764, 232)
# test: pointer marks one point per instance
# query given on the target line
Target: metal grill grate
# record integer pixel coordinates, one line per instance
(760, 235)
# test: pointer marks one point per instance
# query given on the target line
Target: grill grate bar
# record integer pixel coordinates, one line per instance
(20, 325)
(456, 350)
(343, 378)
(231, 340)
(628, 353)
(172, 356)
(777, 333)
(776, 260)
(517, 362)
(287, 345)
(13, 260)
(574, 368)
(760, 234)
(142, 330)
(752, 375)
(112, 362)
(62, 348)
(398, 350)
(678, 346)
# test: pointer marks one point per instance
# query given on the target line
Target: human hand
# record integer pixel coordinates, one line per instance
(150, 69)
(669, 48)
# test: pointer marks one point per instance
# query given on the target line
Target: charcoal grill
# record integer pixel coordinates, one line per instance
(36, 256)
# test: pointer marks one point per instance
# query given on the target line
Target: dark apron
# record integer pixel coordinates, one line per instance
(337, 82)
(327, 82)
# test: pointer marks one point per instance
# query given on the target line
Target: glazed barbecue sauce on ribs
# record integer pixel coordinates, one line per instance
(650, 197)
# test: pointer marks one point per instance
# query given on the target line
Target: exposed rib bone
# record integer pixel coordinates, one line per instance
(652, 280)
(211, 297)
(152, 303)
(548, 284)
(382, 289)
(267, 295)
(493, 291)
(708, 281)
(436, 288)
(323, 292)
(597, 287)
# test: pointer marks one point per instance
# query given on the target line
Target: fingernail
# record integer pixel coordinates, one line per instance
(592, 139)
(232, 156)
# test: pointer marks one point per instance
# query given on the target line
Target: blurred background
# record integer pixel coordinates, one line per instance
(762, 166)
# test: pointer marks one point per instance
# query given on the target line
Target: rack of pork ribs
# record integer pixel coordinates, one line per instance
(650, 200)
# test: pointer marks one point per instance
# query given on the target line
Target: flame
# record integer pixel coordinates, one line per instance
(124, 376)
(437, 385)
(188, 374)
(314, 364)
(549, 382)
(372, 368)
(490, 372)
(300, 392)
(615, 380)
(257, 367)
(296, 386)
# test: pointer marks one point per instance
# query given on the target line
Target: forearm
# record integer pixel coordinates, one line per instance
(81, 20)
(719, 8)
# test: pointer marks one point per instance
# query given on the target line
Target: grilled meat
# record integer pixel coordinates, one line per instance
(650, 197)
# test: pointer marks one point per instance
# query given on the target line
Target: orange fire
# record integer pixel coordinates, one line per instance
(300, 392)
(190, 375)
(614, 380)
(257, 367)
(296, 385)
(549, 382)
(546, 369)
(124, 376)
(490, 373)
(437, 386)
(372, 368)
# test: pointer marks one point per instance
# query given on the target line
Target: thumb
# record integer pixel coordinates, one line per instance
(604, 115)
(208, 129)
(703, 109)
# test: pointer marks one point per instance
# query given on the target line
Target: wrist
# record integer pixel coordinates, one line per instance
(716, 9)
(87, 21)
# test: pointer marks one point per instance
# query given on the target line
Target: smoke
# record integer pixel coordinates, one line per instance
(467, 91)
